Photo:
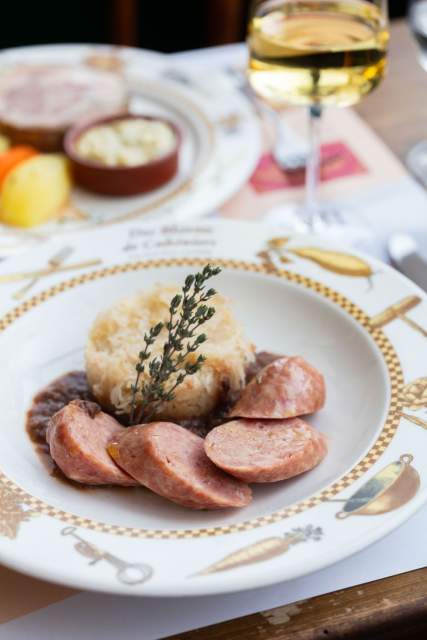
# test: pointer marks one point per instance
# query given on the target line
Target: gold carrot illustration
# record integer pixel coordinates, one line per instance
(263, 550)
(398, 311)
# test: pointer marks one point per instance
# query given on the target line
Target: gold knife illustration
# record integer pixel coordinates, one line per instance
(53, 264)
(41, 273)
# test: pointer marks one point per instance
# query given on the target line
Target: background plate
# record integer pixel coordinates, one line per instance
(221, 139)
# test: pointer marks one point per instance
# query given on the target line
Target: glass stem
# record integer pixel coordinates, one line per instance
(311, 207)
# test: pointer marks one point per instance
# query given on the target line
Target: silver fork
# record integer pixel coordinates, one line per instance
(290, 151)
(53, 264)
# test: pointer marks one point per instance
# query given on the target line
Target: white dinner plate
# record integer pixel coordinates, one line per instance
(220, 137)
(361, 323)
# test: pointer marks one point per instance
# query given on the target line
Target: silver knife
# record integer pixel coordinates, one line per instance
(405, 255)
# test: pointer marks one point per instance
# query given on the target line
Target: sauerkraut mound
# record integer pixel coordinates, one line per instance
(116, 339)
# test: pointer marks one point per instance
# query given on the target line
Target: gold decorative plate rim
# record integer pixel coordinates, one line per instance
(383, 440)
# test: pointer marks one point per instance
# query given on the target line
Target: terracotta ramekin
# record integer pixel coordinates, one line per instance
(120, 181)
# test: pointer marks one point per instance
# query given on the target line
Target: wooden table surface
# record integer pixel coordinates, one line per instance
(394, 608)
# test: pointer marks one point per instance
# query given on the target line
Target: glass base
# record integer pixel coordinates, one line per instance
(330, 223)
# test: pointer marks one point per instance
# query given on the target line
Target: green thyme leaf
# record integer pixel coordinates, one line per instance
(187, 312)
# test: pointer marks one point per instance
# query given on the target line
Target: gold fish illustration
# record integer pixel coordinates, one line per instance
(263, 550)
(389, 489)
(342, 263)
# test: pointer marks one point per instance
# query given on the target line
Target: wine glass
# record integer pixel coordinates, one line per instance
(417, 156)
(316, 53)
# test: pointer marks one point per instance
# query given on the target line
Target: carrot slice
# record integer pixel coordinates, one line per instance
(12, 157)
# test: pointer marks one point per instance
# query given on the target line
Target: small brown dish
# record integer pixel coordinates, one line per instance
(120, 180)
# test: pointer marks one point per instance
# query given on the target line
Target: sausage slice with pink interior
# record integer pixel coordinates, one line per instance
(286, 388)
(264, 450)
(78, 436)
(171, 461)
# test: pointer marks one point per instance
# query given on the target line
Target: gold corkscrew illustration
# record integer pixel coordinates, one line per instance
(127, 573)
(262, 550)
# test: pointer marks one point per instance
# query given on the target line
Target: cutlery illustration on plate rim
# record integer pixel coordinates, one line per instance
(344, 264)
(398, 311)
(54, 265)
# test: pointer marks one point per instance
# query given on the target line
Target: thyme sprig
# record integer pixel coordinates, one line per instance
(188, 311)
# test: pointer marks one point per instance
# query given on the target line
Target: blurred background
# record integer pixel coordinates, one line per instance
(163, 26)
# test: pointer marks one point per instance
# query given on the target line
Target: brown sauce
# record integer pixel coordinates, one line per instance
(262, 359)
(71, 386)
(74, 386)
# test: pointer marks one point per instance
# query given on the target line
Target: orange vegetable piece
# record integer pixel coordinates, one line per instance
(14, 156)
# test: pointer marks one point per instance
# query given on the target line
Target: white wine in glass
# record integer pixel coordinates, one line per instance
(316, 53)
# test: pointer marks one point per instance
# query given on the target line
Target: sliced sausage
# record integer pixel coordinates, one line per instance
(78, 436)
(285, 388)
(264, 450)
(171, 461)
